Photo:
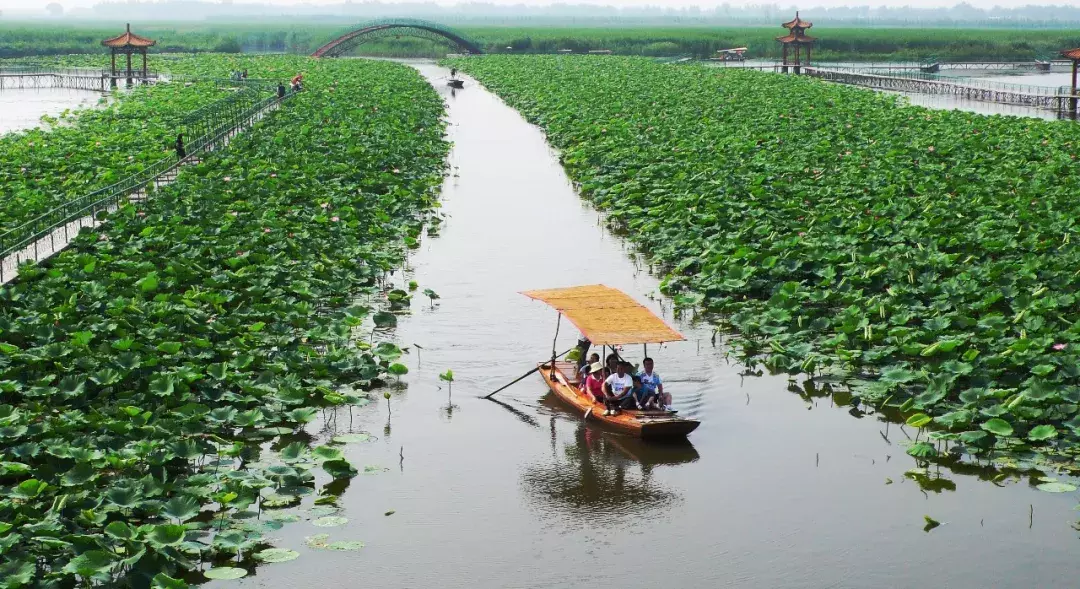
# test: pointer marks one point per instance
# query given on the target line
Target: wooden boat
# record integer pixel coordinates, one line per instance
(608, 317)
(455, 83)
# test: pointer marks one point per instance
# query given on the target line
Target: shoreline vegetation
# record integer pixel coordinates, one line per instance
(838, 43)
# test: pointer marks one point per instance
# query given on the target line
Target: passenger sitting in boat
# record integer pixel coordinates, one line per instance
(586, 369)
(638, 397)
(617, 388)
(594, 383)
(654, 386)
(612, 362)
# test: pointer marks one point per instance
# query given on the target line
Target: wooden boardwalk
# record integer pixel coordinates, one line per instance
(59, 238)
(1055, 99)
(67, 78)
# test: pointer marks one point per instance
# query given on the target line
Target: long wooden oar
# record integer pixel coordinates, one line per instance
(523, 376)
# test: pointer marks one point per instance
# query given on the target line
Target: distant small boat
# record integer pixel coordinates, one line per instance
(609, 317)
(455, 83)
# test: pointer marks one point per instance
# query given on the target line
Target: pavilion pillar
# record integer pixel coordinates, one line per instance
(144, 72)
(784, 68)
(129, 72)
(1072, 96)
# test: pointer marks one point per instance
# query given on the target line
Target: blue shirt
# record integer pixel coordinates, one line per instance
(650, 382)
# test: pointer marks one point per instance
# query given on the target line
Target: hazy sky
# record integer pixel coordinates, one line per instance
(25, 6)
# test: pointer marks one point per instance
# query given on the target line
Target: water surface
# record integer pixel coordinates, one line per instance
(23, 109)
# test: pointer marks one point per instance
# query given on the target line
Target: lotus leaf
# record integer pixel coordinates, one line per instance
(90, 563)
(276, 555)
(225, 573)
(163, 581)
(345, 545)
(339, 469)
(327, 453)
(166, 535)
(385, 319)
(1056, 487)
(1042, 432)
(120, 531)
(998, 427)
(330, 521)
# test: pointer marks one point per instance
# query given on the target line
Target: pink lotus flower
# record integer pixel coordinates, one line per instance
(931, 148)
(266, 230)
(227, 178)
(335, 219)
(802, 233)
(273, 175)
(1059, 347)
(325, 205)
(234, 213)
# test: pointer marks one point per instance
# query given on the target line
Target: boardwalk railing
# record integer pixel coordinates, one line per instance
(20, 77)
(204, 130)
(969, 88)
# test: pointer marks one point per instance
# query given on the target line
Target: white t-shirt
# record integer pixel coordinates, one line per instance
(619, 384)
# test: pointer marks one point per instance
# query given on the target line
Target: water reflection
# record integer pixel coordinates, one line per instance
(592, 469)
(930, 473)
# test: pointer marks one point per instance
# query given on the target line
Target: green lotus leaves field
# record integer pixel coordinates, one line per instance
(929, 256)
(92, 148)
(147, 371)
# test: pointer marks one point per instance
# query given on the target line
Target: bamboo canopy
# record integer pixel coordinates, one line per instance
(607, 316)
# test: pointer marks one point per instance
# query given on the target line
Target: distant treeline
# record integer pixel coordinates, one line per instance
(837, 43)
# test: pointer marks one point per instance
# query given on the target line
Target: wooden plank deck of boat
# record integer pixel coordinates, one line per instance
(644, 424)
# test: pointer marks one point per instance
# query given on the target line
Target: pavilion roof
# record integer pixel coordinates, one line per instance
(1073, 54)
(796, 39)
(128, 39)
(797, 22)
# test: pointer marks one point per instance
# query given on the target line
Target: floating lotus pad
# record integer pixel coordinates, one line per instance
(276, 555)
(225, 573)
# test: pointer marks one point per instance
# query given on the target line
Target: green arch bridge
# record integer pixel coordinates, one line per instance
(395, 27)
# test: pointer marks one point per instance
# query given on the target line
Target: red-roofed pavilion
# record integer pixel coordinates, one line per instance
(793, 44)
(1073, 55)
(128, 43)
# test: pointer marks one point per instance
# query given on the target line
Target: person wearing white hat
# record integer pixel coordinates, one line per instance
(594, 383)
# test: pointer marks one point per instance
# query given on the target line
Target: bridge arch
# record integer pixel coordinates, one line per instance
(394, 27)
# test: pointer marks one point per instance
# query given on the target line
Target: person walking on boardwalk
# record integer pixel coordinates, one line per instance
(181, 153)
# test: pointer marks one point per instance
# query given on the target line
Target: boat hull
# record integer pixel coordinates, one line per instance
(649, 425)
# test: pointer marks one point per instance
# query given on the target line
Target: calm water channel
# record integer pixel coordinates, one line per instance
(776, 489)
(23, 109)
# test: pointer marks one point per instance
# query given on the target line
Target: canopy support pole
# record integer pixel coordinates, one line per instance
(554, 343)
